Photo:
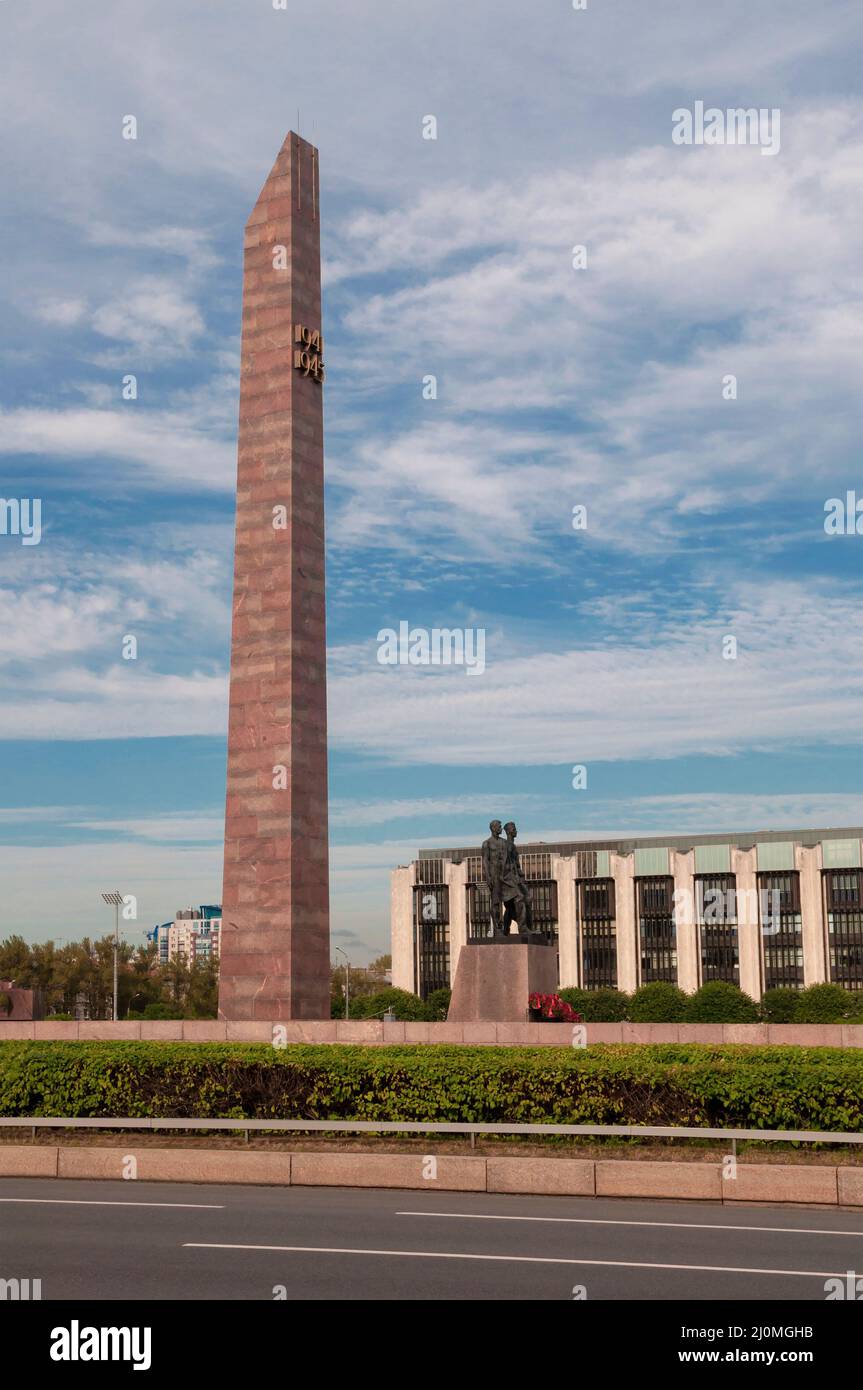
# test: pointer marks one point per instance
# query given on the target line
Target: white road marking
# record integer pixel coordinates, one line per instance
(513, 1259)
(597, 1221)
(79, 1202)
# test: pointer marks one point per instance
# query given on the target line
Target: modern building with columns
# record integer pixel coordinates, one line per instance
(762, 909)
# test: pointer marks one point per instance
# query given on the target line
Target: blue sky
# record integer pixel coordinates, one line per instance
(556, 387)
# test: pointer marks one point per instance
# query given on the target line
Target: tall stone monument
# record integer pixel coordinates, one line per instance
(275, 958)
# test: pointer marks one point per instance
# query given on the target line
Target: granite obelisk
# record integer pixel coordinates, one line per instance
(275, 897)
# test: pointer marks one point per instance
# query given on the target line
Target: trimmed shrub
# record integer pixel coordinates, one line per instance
(157, 1010)
(675, 1084)
(855, 1006)
(822, 1004)
(408, 1008)
(5, 1003)
(437, 1005)
(720, 1001)
(658, 1003)
(779, 1005)
(598, 1005)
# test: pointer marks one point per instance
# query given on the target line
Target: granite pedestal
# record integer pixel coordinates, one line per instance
(494, 979)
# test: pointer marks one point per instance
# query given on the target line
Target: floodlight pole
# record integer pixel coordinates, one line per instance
(347, 982)
(115, 899)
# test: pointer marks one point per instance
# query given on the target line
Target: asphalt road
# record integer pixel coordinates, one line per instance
(125, 1240)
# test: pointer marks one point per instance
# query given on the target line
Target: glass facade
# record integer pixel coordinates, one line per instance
(781, 930)
(718, 946)
(843, 900)
(478, 911)
(657, 934)
(431, 938)
(597, 932)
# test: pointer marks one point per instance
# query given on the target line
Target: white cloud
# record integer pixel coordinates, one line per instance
(172, 828)
(55, 890)
(174, 447)
(152, 316)
(361, 812)
(657, 689)
(681, 813)
(625, 360)
(61, 669)
(63, 312)
(120, 702)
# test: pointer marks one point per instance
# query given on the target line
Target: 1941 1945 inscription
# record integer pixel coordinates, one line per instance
(309, 356)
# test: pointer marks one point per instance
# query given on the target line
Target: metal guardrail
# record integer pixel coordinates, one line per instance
(808, 1136)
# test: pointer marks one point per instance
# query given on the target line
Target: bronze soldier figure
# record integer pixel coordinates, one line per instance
(494, 856)
(516, 894)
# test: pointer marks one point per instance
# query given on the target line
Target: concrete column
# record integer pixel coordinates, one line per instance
(622, 866)
(563, 870)
(809, 863)
(683, 869)
(402, 929)
(456, 878)
(744, 867)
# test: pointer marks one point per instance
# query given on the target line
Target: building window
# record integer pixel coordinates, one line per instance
(656, 929)
(597, 932)
(478, 911)
(717, 927)
(473, 868)
(431, 938)
(781, 930)
(586, 863)
(430, 871)
(543, 901)
(843, 895)
(536, 864)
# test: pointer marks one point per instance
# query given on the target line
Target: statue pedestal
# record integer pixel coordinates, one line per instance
(494, 978)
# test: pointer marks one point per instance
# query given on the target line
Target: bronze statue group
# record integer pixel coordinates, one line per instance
(508, 890)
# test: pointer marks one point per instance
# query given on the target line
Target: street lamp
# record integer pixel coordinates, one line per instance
(115, 900)
(347, 982)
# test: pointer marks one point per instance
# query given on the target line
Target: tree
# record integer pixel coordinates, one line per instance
(15, 960)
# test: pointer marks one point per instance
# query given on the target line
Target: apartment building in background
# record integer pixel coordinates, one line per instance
(194, 934)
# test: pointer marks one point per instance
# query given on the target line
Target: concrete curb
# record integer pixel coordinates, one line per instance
(774, 1183)
(369, 1032)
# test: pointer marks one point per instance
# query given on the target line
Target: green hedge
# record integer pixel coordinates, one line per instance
(717, 1002)
(658, 1002)
(598, 1005)
(749, 1087)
